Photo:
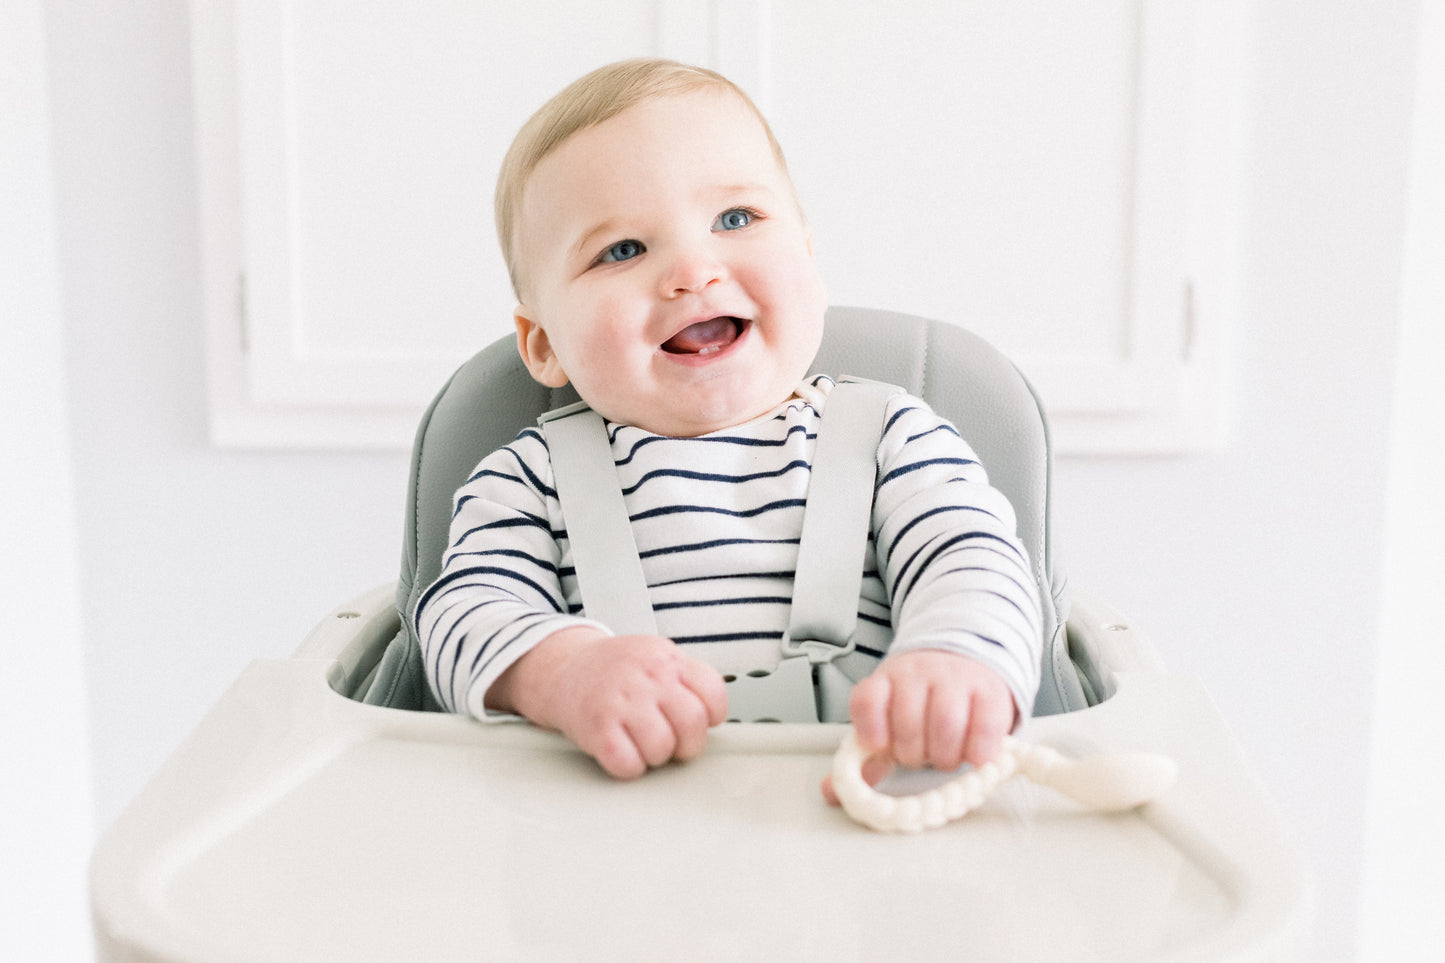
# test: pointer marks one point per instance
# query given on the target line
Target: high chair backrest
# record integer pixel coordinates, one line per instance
(492, 397)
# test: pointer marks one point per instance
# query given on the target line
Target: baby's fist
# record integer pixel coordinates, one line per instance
(935, 708)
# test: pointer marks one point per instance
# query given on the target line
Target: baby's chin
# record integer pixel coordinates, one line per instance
(695, 420)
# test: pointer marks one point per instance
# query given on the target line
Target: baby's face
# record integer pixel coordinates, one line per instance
(666, 269)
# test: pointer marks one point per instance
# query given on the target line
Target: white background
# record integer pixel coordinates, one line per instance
(162, 565)
(1076, 203)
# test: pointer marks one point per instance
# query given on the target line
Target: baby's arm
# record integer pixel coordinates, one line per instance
(631, 702)
(957, 576)
(963, 665)
(497, 637)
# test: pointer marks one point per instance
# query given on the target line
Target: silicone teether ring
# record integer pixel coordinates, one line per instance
(1114, 782)
(911, 814)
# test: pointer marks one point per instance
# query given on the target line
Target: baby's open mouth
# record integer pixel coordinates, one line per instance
(705, 337)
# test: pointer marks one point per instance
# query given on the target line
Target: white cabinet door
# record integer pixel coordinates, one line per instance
(1058, 177)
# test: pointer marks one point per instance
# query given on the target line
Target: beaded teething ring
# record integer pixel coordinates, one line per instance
(1103, 783)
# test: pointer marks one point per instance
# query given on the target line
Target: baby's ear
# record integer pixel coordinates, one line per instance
(536, 350)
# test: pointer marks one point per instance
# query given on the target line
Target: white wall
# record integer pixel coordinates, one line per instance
(1404, 871)
(193, 561)
(46, 809)
(1257, 569)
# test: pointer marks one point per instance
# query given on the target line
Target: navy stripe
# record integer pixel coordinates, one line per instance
(1033, 618)
(875, 620)
(945, 426)
(531, 476)
(456, 632)
(702, 546)
(541, 563)
(893, 418)
(936, 511)
(927, 463)
(947, 544)
(721, 440)
(491, 473)
(726, 637)
(525, 521)
(710, 477)
(710, 510)
(730, 575)
(533, 483)
(476, 669)
(740, 600)
(1018, 608)
(449, 578)
(1030, 619)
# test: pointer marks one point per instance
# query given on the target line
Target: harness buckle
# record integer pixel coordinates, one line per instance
(817, 651)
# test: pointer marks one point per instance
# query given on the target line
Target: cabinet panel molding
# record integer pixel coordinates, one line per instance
(1063, 180)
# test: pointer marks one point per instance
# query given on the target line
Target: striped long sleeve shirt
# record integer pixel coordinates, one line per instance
(717, 520)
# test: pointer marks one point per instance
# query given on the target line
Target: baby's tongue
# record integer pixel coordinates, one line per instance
(703, 336)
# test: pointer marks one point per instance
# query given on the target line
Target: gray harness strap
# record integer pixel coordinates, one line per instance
(836, 519)
(805, 686)
(609, 572)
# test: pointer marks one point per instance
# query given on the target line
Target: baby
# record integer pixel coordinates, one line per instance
(663, 266)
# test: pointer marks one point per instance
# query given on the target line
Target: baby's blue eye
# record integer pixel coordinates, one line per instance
(622, 251)
(733, 220)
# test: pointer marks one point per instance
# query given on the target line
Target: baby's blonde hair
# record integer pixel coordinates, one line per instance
(586, 102)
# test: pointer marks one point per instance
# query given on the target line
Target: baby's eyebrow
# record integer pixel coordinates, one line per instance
(585, 242)
(733, 190)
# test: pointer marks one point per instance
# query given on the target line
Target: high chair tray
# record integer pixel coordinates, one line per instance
(296, 824)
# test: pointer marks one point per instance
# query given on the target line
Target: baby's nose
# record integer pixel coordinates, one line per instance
(691, 271)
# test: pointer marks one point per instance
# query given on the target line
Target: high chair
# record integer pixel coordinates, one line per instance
(321, 811)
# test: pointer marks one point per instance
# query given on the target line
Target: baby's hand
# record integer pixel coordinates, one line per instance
(631, 701)
(929, 707)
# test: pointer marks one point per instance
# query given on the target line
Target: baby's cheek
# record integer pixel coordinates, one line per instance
(807, 286)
